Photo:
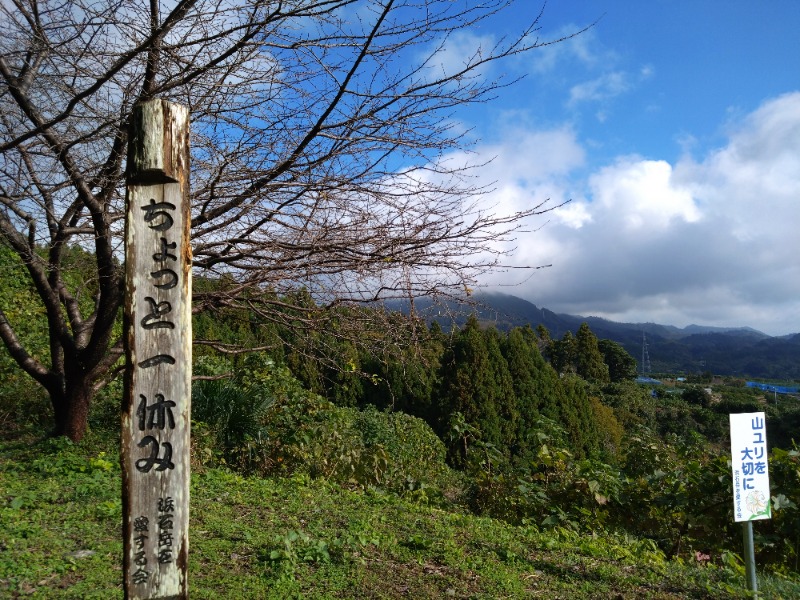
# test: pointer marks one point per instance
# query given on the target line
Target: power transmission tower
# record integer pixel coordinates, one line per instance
(645, 356)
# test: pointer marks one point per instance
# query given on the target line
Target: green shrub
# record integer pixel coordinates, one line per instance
(393, 451)
(416, 454)
(234, 408)
(263, 421)
(778, 538)
(233, 412)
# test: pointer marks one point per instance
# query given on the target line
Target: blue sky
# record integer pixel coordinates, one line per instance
(674, 129)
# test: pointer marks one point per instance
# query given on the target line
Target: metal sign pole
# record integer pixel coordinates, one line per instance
(750, 557)
(750, 473)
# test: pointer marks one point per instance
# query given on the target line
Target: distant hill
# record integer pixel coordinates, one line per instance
(736, 351)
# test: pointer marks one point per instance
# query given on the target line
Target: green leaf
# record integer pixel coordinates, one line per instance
(780, 502)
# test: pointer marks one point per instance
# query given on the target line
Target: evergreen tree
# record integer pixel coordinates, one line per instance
(562, 353)
(621, 365)
(302, 343)
(407, 378)
(577, 416)
(519, 358)
(543, 340)
(502, 391)
(468, 386)
(589, 362)
(343, 377)
(300, 358)
(540, 391)
(520, 352)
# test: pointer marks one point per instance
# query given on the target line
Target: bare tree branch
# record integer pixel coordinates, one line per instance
(323, 137)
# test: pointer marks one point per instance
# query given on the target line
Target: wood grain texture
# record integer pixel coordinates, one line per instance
(156, 413)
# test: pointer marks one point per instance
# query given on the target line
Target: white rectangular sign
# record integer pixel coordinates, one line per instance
(751, 498)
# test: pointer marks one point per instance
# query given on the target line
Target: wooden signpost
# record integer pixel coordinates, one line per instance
(158, 348)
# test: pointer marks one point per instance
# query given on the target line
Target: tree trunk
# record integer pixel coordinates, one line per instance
(71, 408)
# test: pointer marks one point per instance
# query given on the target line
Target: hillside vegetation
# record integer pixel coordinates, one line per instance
(740, 352)
(473, 464)
(297, 537)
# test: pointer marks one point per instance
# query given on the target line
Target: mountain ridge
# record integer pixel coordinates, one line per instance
(734, 351)
(497, 300)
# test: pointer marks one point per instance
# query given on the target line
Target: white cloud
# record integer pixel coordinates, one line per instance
(531, 169)
(642, 194)
(605, 87)
(713, 241)
(602, 74)
(574, 215)
(584, 49)
(757, 172)
(459, 50)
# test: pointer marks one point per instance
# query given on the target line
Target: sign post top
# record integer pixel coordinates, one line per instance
(158, 151)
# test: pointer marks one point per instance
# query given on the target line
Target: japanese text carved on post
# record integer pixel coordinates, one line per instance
(158, 335)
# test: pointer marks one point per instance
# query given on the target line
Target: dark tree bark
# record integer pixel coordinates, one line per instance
(320, 133)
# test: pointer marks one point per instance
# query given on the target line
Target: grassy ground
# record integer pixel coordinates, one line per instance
(60, 524)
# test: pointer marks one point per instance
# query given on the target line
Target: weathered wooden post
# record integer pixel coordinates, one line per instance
(158, 349)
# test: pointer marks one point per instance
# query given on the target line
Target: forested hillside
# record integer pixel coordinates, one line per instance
(515, 425)
(551, 430)
(737, 352)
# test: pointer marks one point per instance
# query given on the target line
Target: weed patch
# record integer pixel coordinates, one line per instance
(294, 537)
